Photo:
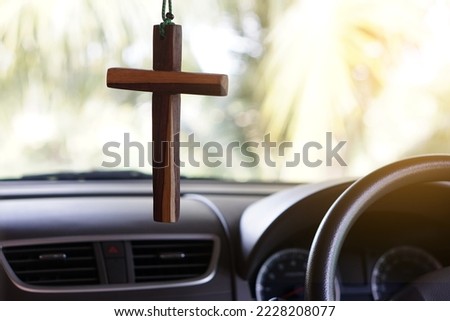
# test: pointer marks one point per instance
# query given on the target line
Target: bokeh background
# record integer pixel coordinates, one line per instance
(375, 73)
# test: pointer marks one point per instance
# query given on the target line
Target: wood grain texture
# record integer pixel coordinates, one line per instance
(166, 127)
(168, 82)
(166, 170)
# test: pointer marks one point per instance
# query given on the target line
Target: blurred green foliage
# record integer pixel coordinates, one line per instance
(373, 72)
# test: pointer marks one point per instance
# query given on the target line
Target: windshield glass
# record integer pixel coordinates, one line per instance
(318, 89)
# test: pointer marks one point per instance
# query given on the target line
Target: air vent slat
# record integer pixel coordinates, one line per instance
(171, 260)
(157, 278)
(28, 261)
(38, 249)
(69, 270)
(187, 255)
(171, 266)
(55, 264)
(86, 281)
(161, 246)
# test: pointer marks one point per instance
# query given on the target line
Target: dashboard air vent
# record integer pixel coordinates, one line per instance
(171, 260)
(54, 264)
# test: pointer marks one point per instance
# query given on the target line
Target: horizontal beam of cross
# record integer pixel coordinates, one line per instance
(168, 82)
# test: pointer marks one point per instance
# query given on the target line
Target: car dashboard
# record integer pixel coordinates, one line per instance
(96, 240)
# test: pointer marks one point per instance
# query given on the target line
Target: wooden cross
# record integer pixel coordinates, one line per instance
(167, 82)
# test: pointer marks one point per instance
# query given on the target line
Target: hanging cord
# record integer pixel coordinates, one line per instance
(166, 17)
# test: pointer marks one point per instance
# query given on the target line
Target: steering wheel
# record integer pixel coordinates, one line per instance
(341, 216)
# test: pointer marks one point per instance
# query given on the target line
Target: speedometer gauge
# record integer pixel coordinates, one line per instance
(398, 267)
(282, 276)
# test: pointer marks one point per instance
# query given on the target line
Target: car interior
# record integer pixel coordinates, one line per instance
(323, 175)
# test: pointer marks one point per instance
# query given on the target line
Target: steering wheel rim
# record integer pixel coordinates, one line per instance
(341, 216)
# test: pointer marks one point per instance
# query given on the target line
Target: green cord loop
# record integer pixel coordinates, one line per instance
(166, 17)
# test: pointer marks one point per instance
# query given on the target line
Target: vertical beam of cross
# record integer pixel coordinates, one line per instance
(167, 82)
(167, 54)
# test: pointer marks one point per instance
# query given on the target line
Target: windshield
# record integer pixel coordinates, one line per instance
(318, 89)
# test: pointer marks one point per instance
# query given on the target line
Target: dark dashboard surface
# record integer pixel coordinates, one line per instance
(94, 240)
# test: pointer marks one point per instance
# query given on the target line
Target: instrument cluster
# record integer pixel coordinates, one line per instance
(282, 275)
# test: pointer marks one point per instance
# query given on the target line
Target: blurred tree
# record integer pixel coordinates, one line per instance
(365, 70)
(329, 62)
(326, 61)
